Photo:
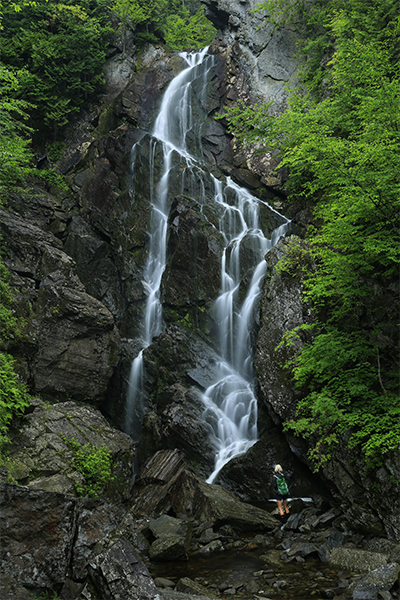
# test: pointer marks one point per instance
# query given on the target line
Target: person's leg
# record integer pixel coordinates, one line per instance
(285, 506)
(280, 507)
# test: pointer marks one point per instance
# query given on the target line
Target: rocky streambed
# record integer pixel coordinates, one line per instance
(306, 558)
(177, 537)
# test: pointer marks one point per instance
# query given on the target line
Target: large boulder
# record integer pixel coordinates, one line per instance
(47, 535)
(212, 503)
(41, 455)
(359, 561)
(172, 538)
(120, 573)
(375, 583)
(166, 484)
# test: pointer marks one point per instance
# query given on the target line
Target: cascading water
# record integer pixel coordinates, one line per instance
(173, 123)
(230, 403)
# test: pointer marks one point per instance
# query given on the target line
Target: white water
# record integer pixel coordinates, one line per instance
(230, 403)
(173, 123)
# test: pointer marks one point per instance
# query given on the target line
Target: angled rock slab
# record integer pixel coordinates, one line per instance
(155, 481)
(199, 500)
(120, 573)
(172, 485)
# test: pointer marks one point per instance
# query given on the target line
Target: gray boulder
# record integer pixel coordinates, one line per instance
(358, 561)
(374, 584)
(120, 573)
(173, 537)
(171, 547)
(205, 502)
(165, 526)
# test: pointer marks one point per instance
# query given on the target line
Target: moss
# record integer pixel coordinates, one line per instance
(107, 121)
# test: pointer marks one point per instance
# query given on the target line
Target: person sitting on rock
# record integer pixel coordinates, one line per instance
(281, 487)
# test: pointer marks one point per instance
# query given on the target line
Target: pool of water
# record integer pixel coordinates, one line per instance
(243, 570)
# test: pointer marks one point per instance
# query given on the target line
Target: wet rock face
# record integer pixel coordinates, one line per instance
(192, 278)
(268, 54)
(72, 340)
(179, 366)
(282, 310)
(257, 63)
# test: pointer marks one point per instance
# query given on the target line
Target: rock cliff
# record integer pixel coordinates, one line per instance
(366, 506)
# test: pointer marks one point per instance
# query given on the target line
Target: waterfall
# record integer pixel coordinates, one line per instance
(171, 128)
(230, 405)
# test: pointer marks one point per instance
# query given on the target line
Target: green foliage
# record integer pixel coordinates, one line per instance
(9, 325)
(14, 397)
(48, 178)
(62, 49)
(341, 374)
(340, 139)
(55, 150)
(95, 466)
(297, 259)
(48, 595)
(130, 14)
(14, 134)
(189, 32)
